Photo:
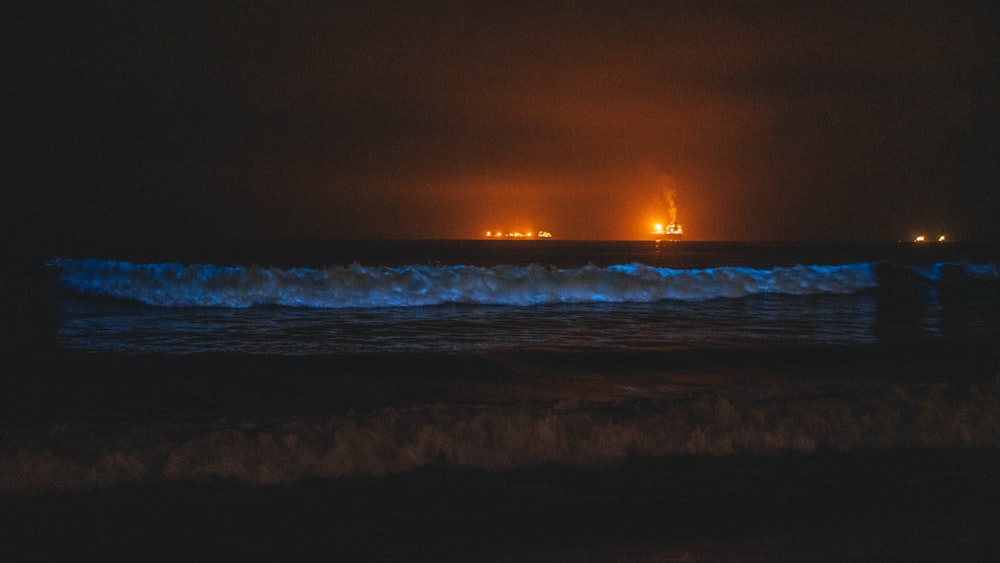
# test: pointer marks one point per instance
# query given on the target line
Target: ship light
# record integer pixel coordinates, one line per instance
(518, 234)
(671, 229)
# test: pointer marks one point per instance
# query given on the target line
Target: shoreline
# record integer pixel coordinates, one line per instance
(47, 383)
(939, 502)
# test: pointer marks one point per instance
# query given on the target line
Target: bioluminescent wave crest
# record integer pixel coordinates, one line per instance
(178, 285)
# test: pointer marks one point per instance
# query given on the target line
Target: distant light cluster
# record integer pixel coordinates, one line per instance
(518, 234)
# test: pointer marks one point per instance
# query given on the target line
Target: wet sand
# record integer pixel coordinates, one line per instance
(912, 505)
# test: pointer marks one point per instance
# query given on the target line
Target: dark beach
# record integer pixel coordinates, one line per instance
(897, 503)
(913, 505)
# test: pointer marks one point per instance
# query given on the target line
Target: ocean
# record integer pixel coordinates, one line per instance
(503, 400)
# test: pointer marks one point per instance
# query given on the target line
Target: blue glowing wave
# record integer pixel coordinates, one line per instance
(178, 285)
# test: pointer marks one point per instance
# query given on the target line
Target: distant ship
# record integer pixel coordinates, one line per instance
(518, 235)
(673, 231)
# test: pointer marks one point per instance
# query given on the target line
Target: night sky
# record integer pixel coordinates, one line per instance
(251, 120)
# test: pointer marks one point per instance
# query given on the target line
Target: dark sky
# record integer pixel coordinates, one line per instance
(773, 121)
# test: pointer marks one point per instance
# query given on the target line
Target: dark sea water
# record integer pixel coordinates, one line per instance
(505, 400)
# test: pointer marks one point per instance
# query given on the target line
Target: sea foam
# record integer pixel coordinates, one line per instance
(861, 416)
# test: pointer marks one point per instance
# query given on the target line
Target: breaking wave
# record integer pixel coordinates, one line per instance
(178, 285)
(73, 455)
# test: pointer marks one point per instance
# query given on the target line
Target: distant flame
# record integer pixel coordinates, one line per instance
(668, 197)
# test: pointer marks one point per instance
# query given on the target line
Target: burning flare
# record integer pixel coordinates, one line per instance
(672, 231)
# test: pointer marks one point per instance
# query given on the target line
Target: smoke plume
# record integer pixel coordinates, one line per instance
(668, 194)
